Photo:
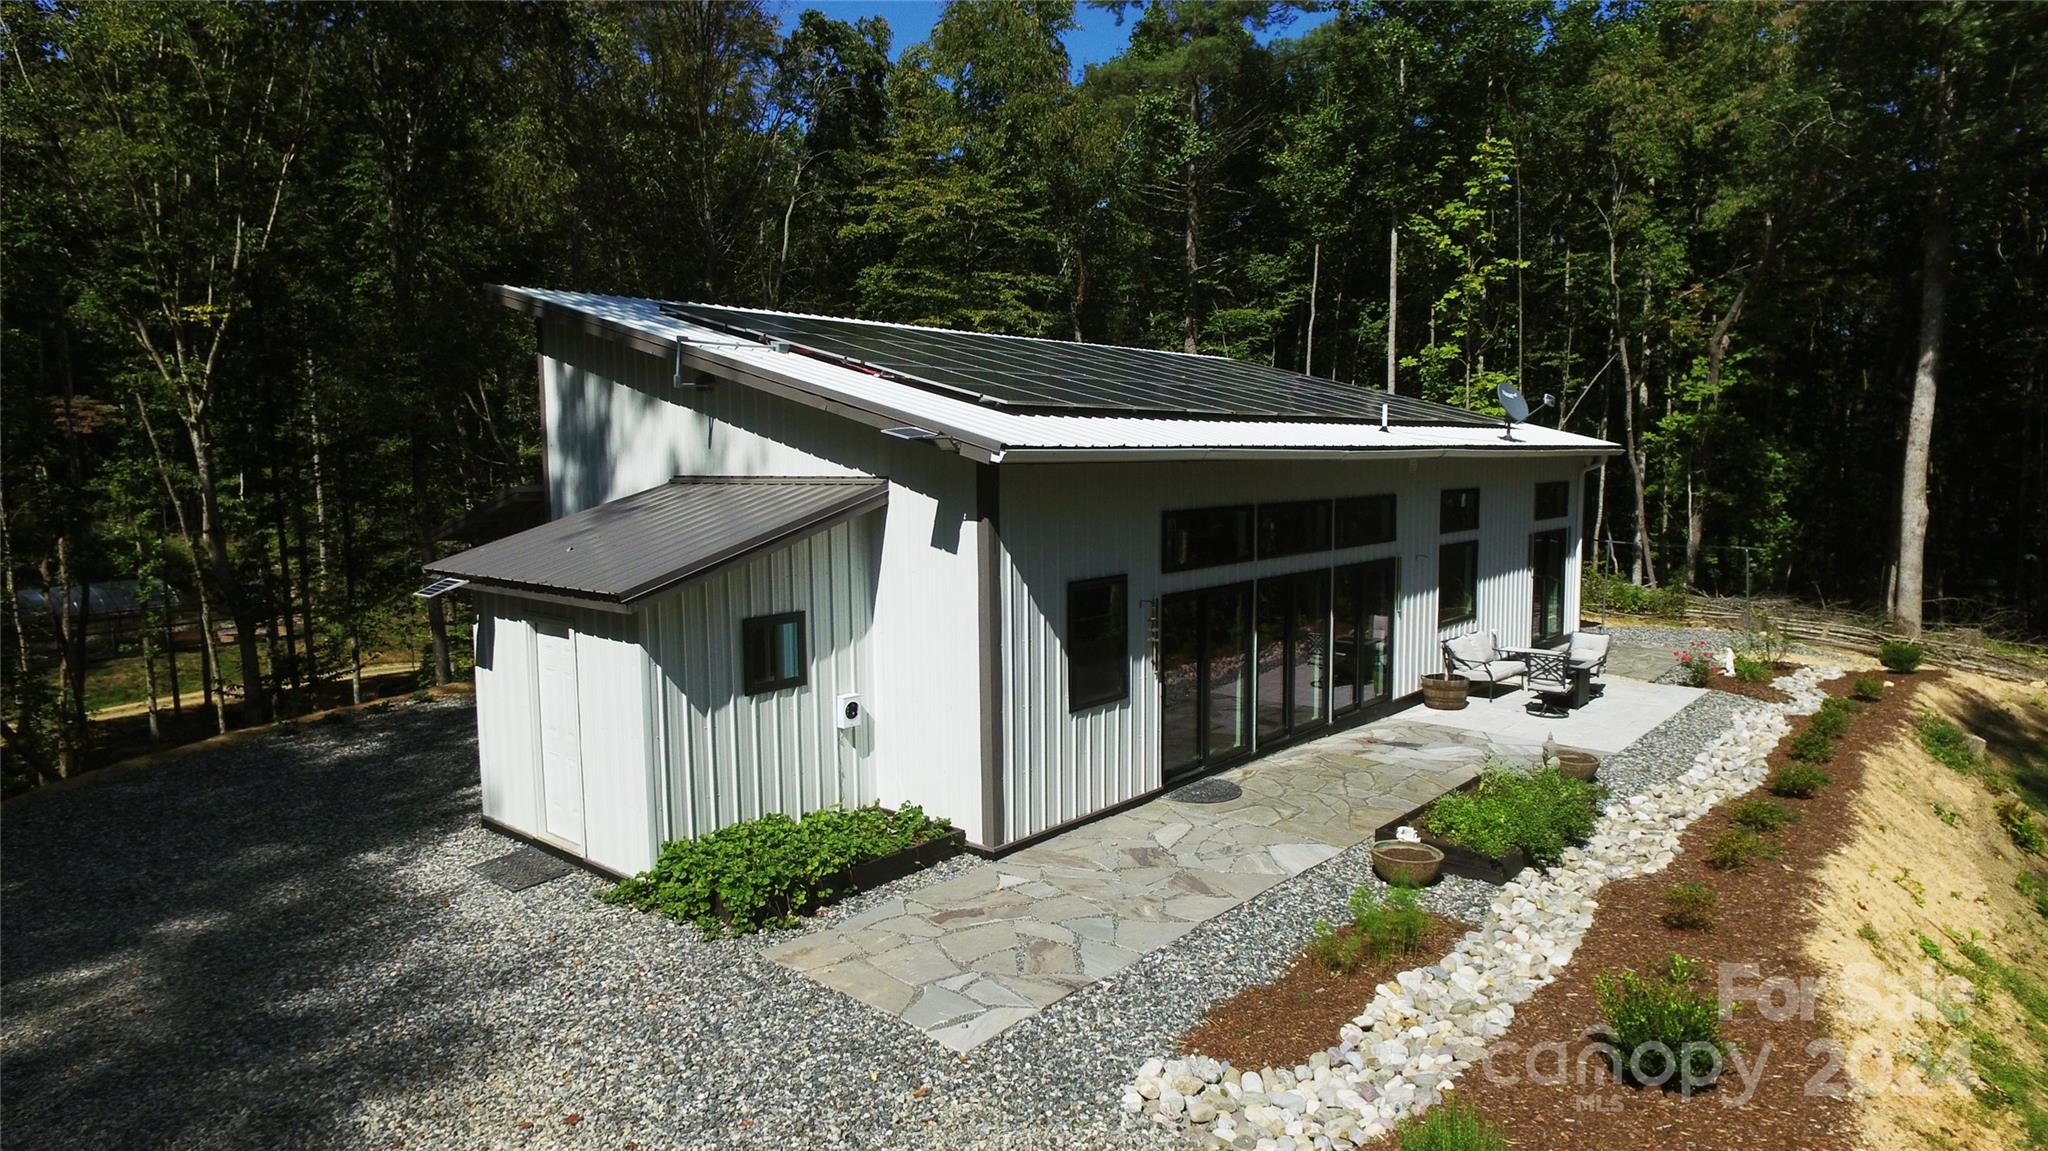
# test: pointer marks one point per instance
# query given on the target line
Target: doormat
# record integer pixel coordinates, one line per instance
(521, 868)
(1207, 791)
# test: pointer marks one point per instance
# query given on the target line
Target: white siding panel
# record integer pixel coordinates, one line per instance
(1078, 521)
(731, 756)
(505, 735)
(616, 425)
(618, 771)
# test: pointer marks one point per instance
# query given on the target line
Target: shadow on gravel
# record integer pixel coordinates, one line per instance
(214, 950)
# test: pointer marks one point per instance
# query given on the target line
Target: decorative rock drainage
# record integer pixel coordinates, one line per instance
(1398, 1056)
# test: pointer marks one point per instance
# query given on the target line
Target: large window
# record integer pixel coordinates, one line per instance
(1457, 588)
(772, 652)
(1460, 510)
(1363, 520)
(1294, 528)
(1098, 635)
(1553, 500)
(1206, 537)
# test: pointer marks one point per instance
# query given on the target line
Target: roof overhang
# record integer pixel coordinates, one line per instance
(640, 546)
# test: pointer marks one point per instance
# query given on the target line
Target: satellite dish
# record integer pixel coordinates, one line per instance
(1517, 408)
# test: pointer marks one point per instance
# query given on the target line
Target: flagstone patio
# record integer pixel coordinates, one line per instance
(965, 958)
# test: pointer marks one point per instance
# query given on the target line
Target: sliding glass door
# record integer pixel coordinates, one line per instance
(1546, 571)
(1294, 654)
(1362, 638)
(1205, 687)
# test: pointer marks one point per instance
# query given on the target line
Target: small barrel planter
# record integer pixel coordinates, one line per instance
(1406, 864)
(1575, 764)
(1445, 692)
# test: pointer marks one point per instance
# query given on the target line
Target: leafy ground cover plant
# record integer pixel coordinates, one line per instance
(1900, 655)
(1831, 723)
(1380, 929)
(762, 872)
(1538, 813)
(1752, 669)
(1946, 742)
(1868, 688)
(2034, 885)
(1690, 907)
(1450, 1126)
(1733, 849)
(1811, 746)
(1665, 1031)
(2018, 821)
(1797, 781)
(1761, 815)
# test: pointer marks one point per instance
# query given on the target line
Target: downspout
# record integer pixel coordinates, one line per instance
(988, 542)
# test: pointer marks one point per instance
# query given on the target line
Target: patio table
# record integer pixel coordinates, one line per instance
(1545, 664)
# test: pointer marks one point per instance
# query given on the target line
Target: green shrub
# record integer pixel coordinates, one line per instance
(1946, 742)
(1868, 688)
(1538, 813)
(1811, 746)
(1615, 593)
(2034, 886)
(1380, 929)
(1752, 669)
(1900, 655)
(2018, 821)
(1797, 781)
(1734, 848)
(763, 871)
(1665, 1031)
(1690, 907)
(1761, 815)
(1449, 1126)
(1831, 724)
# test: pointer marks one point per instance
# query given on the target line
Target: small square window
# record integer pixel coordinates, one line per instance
(1553, 500)
(1364, 520)
(1460, 510)
(1098, 642)
(1294, 528)
(1205, 537)
(1457, 587)
(772, 650)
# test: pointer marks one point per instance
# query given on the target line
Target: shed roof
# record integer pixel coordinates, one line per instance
(702, 338)
(646, 543)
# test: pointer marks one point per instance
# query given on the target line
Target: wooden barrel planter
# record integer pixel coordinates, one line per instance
(1405, 864)
(1576, 764)
(1444, 692)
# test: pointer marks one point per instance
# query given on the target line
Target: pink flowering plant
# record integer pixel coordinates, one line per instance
(1697, 658)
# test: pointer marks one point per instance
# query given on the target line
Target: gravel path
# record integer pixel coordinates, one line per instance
(279, 943)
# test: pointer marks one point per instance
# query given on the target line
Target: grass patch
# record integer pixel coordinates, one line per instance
(2034, 885)
(2006, 1080)
(760, 873)
(1946, 742)
(2018, 821)
(1797, 781)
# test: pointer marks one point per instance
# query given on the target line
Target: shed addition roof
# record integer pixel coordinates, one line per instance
(637, 546)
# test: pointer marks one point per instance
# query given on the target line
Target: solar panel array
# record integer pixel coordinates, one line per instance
(1019, 374)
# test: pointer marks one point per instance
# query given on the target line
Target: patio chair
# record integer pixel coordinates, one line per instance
(1477, 656)
(1553, 681)
(1588, 656)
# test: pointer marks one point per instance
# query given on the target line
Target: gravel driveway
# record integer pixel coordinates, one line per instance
(280, 943)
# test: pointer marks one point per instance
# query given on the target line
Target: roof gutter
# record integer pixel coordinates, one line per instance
(1163, 454)
(680, 348)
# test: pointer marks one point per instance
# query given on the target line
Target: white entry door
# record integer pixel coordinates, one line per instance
(561, 734)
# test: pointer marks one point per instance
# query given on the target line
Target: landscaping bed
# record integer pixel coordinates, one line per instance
(1735, 685)
(1761, 908)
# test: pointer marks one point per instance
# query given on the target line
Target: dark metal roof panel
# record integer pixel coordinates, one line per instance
(651, 541)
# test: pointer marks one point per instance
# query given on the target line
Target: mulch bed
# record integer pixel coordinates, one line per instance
(1282, 1023)
(1734, 686)
(1763, 919)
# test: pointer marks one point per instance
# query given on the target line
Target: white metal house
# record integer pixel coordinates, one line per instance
(796, 561)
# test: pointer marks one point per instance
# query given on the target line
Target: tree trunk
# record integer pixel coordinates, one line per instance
(213, 536)
(1935, 243)
(1393, 296)
(1315, 275)
(1191, 264)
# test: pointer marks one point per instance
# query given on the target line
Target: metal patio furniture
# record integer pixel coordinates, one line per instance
(1478, 657)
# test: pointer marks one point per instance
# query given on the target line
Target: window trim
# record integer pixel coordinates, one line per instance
(1442, 506)
(763, 686)
(1122, 582)
(1442, 620)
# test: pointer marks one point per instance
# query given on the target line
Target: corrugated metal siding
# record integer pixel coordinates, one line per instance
(617, 425)
(617, 739)
(1071, 522)
(731, 756)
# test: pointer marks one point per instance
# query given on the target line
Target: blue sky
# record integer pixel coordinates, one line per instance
(1097, 39)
